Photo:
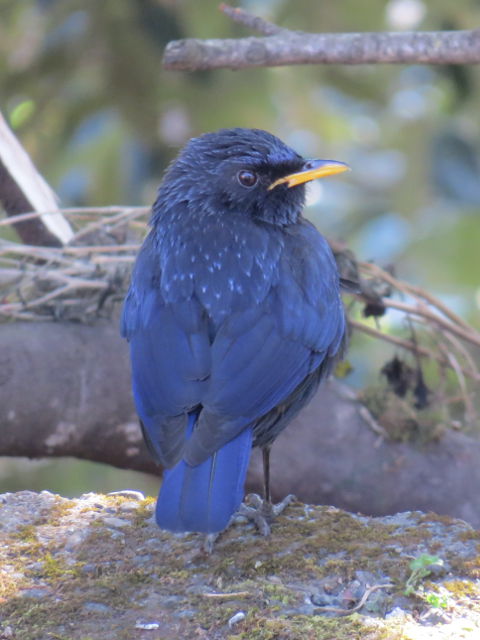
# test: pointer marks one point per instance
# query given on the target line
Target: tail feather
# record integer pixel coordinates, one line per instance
(203, 498)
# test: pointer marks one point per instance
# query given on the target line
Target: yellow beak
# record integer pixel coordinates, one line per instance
(312, 170)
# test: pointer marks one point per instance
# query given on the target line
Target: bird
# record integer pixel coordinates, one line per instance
(233, 317)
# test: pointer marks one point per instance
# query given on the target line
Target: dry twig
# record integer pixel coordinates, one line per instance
(346, 612)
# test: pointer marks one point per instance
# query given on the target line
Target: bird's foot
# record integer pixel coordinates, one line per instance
(262, 512)
(210, 540)
(255, 508)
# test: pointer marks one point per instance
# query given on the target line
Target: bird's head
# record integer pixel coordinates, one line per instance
(247, 171)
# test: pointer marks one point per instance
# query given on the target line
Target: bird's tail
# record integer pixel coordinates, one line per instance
(203, 498)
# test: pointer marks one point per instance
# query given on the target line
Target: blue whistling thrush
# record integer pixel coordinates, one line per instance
(233, 317)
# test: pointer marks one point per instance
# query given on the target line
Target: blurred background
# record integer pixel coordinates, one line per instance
(81, 84)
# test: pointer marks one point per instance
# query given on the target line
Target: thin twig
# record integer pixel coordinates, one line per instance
(255, 23)
(109, 224)
(357, 607)
(413, 290)
(52, 295)
(74, 211)
(408, 345)
(104, 248)
(440, 339)
(470, 335)
(115, 260)
(372, 423)
(470, 413)
(30, 251)
(439, 335)
(227, 596)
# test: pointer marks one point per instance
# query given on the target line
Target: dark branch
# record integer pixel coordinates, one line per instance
(14, 202)
(65, 391)
(22, 189)
(283, 47)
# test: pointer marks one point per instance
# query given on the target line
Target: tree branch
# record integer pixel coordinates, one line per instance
(65, 391)
(283, 47)
(22, 188)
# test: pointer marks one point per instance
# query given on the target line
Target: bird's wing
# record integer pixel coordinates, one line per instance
(170, 355)
(260, 355)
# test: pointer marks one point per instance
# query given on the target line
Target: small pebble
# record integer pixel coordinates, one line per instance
(396, 612)
(140, 560)
(186, 613)
(147, 626)
(321, 599)
(116, 522)
(76, 539)
(435, 616)
(128, 493)
(89, 568)
(235, 619)
(117, 535)
(128, 506)
(36, 593)
(96, 607)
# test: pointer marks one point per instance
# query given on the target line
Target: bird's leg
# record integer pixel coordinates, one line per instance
(209, 541)
(266, 475)
(268, 509)
(262, 512)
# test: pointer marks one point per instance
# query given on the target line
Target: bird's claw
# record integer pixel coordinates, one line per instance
(262, 512)
(209, 541)
(257, 517)
(280, 506)
(259, 511)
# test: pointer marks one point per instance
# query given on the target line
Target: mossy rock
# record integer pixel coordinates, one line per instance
(98, 567)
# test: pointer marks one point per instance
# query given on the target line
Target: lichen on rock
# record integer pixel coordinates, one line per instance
(98, 567)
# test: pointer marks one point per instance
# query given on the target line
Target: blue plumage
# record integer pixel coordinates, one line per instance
(203, 497)
(233, 317)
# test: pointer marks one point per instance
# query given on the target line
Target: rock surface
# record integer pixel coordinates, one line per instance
(98, 567)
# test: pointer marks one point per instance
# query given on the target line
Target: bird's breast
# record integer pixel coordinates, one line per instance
(227, 265)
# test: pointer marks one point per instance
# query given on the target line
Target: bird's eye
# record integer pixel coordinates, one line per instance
(247, 178)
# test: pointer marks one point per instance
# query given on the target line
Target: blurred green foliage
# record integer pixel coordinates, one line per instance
(82, 85)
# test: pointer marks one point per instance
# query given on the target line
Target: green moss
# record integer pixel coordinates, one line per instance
(61, 508)
(54, 568)
(26, 533)
(143, 512)
(9, 586)
(330, 532)
(261, 627)
(28, 543)
(462, 588)
(472, 568)
(32, 618)
(272, 593)
(431, 516)
(263, 577)
(474, 534)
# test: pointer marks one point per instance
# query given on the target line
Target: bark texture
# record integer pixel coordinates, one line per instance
(291, 48)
